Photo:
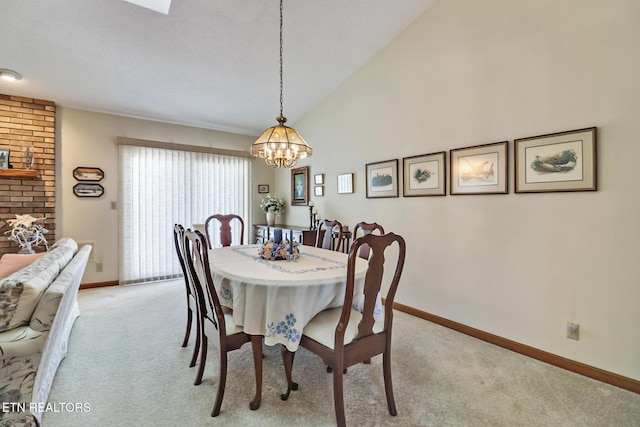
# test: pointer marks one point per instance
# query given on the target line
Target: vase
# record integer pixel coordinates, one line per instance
(271, 218)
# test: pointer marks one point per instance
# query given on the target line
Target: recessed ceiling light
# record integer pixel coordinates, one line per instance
(9, 75)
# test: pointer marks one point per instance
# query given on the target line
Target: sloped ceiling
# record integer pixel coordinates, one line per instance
(207, 63)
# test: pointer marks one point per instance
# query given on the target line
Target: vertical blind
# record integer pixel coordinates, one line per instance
(161, 187)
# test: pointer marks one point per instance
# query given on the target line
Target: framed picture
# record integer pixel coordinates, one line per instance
(4, 158)
(300, 186)
(263, 188)
(345, 183)
(424, 175)
(318, 179)
(564, 161)
(382, 179)
(88, 190)
(318, 190)
(88, 174)
(479, 170)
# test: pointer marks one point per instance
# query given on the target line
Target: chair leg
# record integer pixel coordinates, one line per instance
(196, 348)
(388, 385)
(256, 346)
(221, 384)
(338, 397)
(203, 358)
(188, 331)
(287, 360)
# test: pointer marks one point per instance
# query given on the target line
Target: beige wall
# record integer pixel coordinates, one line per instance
(87, 139)
(519, 266)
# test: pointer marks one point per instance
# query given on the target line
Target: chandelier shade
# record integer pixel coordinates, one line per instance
(281, 146)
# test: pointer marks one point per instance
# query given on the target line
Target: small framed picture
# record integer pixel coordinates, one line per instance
(263, 188)
(300, 186)
(88, 190)
(424, 175)
(88, 174)
(318, 179)
(345, 183)
(318, 190)
(564, 161)
(479, 170)
(4, 158)
(382, 179)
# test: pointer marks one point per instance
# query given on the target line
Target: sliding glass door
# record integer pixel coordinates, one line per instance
(161, 187)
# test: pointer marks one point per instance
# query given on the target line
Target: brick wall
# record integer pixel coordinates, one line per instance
(27, 122)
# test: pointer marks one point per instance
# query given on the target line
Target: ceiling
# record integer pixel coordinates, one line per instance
(207, 63)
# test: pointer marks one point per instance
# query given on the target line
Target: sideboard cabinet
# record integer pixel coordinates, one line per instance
(263, 233)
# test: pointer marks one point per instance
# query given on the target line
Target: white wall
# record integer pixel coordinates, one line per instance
(87, 139)
(519, 266)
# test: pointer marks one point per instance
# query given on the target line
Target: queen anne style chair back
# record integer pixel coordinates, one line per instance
(225, 235)
(344, 336)
(192, 302)
(328, 239)
(216, 324)
(366, 228)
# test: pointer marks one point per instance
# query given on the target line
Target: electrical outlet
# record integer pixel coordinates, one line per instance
(98, 267)
(573, 331)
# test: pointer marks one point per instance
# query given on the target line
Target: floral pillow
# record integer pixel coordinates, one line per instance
(21, 291)
(10, 263)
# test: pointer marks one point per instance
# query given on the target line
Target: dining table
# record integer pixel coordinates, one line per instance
(274, 299)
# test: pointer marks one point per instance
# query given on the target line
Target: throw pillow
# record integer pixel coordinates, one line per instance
(10, 263)
(21, 291)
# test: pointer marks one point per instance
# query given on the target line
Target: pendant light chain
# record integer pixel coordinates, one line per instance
(281, 146)
(281, 58)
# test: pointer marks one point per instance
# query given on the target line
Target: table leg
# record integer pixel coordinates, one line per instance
(287, 360)
(256, 346)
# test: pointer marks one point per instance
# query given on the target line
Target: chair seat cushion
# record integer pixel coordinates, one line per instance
(231, 327)
(322, 328)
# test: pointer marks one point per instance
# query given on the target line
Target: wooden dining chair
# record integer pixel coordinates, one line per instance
(225, 235)
(192, 302)
(366, 228)
(216, 324)
(344, 336)
(326, 241)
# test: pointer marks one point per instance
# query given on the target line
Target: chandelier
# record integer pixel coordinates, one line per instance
(281, 146)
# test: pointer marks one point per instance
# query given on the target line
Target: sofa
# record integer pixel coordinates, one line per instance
(38, 306)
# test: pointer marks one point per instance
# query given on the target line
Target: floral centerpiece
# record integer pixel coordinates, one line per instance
(277, 251)
(272, 206)
(27, 233)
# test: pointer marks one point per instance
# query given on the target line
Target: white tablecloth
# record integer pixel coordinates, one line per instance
(278, 298)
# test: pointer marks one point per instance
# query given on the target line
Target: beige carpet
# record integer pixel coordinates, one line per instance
(126, 365)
